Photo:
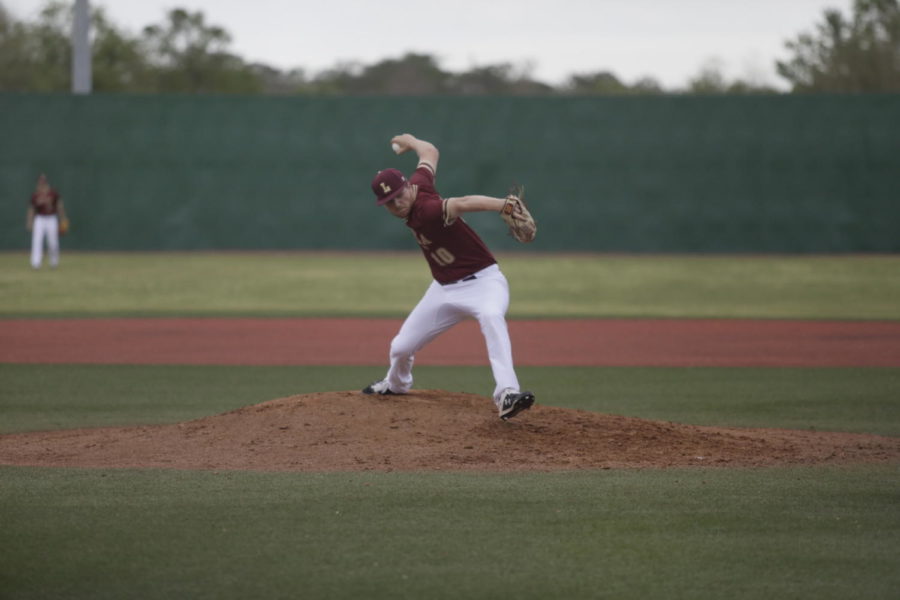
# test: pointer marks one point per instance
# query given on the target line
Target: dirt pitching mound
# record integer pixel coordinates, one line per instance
(430, 431)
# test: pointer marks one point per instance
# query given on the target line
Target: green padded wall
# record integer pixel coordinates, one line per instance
(646, 174)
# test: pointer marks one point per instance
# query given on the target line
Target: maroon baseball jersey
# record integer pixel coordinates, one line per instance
(454, 250)
(46, 205)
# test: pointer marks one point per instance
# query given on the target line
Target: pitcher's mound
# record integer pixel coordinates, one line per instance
(430, 431)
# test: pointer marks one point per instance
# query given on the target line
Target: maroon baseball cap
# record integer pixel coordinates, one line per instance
(387, 185)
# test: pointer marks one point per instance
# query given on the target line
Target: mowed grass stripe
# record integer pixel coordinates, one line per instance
(859, 400)
(311, 284)
(824, 533)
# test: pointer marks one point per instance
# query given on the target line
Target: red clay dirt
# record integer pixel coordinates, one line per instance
(588, 342)
(432, 429)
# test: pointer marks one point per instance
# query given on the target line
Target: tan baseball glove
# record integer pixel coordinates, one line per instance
(517, 217)
(63, 226)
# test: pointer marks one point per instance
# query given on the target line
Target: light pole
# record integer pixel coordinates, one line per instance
(81, 48)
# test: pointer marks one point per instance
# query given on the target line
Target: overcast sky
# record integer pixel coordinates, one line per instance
(670, 40)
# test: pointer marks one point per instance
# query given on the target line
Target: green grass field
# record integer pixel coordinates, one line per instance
(774, 533)
(699, 533)
(543, 286)
(46, 397)
(817, 532)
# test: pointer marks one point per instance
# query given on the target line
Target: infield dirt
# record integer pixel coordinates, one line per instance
(431, 430)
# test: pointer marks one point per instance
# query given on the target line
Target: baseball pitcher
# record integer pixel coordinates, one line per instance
(467, 279)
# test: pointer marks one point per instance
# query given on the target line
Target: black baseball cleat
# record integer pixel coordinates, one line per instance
(515, 402)
(378, 387)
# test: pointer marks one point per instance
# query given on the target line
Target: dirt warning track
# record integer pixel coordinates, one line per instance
(583, 342)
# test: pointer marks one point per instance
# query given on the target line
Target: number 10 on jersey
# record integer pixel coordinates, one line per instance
(441, 256)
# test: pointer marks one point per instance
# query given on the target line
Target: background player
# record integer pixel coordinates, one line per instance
(467, 280)
(45, 213)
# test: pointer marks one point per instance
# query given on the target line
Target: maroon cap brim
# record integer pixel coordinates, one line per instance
(391, 196)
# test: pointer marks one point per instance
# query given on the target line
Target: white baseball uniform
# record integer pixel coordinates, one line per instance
(45, 227)
(467, 283)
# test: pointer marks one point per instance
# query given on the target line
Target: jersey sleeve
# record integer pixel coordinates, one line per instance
(424, 178)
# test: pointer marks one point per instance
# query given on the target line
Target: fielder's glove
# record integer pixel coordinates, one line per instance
(514, 212)
(63, 226)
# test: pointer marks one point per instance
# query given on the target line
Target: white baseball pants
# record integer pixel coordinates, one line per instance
(486, 299)
(44, 226)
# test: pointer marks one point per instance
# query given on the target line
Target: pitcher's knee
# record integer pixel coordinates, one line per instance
(401, 350)
(492, 320)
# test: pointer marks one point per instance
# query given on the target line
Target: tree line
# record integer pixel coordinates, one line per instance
(855, 53)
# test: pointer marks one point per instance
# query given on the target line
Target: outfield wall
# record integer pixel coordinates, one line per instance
(646, 174)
